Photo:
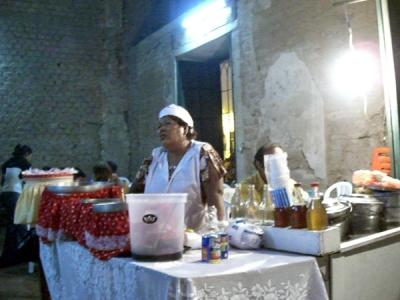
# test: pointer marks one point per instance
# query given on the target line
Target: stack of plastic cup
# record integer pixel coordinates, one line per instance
(277, 172)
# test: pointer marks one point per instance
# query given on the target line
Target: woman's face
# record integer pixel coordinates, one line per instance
(28, 157)
(170, 132)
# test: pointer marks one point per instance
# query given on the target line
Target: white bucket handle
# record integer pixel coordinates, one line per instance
(341, 187)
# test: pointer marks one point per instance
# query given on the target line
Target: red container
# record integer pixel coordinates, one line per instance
(282, 216)
(298, 216)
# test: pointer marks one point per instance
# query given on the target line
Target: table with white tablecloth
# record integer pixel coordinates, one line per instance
(73, 273)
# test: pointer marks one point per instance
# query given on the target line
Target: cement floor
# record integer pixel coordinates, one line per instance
(16, 283)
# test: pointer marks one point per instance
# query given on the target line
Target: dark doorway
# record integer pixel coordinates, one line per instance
(200, 93)
(205, 89)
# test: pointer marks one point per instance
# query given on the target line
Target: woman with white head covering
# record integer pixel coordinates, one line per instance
(184, 165)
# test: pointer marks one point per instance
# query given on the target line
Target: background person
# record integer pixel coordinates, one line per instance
(80, 175)
(258, 179)
(102, 172)
(184, 165)
(122, 180)
(11, 188)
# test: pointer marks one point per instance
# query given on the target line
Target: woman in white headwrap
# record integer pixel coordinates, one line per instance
(184, 165)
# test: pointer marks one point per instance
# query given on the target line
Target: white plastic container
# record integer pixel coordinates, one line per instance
(156, 225)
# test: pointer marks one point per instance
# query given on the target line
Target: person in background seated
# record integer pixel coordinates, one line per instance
(80, 176)
(258, 179)
(102, 172)
(122, 180)
(11, 188)
(184, 165)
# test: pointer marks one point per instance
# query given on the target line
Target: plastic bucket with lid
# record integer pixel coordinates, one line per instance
(156, 225)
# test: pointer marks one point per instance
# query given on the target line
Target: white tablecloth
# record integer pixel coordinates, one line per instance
(73, 273)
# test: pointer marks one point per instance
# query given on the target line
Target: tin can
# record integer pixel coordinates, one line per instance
(211, 248)
(224, 238)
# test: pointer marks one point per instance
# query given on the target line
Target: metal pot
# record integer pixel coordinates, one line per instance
(391, 202)
(338, 215)
(366, 216)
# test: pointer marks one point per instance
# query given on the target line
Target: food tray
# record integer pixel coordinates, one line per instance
(111, 206)
(77, 187)
(41, 176)
(381, 188)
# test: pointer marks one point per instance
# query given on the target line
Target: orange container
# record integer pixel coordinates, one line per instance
(381, 160)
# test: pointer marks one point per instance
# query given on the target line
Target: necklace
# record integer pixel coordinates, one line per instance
(171, 168)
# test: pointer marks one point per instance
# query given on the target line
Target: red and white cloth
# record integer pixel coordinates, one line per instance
(105, 234)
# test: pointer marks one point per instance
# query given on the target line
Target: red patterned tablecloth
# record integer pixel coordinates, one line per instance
(105, 234)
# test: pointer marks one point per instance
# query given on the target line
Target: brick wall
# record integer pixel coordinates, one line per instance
(54, 83)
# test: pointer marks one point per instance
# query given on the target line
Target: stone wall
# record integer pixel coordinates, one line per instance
(60, 87)
(282, 54)
(285, 92)
(152, 78)
(77, 86)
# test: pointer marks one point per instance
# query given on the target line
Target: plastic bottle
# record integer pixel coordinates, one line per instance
(298, 211)
(317, 218)
(251, 213)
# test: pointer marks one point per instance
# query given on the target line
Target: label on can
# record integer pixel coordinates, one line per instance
(211, 248)
(224, 238)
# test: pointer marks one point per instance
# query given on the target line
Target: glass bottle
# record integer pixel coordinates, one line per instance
(314, 193)
(298, 211)
(251, 213)
(317, 218)
(236, 202)
(266, 207)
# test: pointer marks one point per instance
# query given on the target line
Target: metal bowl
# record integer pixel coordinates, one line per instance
(364, 204)
(77, 187)
(366, 215)
(365, 224)
(99, 200)
(338, 215)
(111, 206)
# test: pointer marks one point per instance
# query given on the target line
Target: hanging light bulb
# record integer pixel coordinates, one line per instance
(355, 73)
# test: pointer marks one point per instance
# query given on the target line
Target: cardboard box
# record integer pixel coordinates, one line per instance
(302, 240)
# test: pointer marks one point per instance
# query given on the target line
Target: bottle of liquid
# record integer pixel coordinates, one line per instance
(251, 213)
(236, 202)
(266, 207)
(314, 192)
(317, 218)
(298, 211)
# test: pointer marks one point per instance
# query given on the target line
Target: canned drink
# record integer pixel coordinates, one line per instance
(224, 238)
(211, 248)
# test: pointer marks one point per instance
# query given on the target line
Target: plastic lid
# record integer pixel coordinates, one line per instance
(337, 208)
(361, 199)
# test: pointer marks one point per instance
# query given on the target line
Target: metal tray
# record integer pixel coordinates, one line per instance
(381, 188)
(77, 187)
(107, 207)
(99, 200)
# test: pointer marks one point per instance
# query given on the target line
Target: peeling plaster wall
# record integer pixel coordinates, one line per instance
(283, 52)
(282, 55)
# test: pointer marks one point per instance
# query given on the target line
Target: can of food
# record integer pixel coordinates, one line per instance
(211, 248)
(224, 238)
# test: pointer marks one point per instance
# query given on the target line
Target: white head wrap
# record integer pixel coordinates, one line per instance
(177, 111)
